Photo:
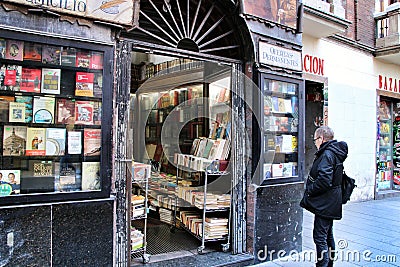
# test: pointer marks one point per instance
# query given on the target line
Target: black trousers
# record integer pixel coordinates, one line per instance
(324, 242)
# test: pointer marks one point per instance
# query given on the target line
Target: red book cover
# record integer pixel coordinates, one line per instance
(32, 51)
(83, 59)
(84, 84)
(92, 142)
(96, 61)
(30, 80)
(10, 78)
(84, 112)
(15, 50)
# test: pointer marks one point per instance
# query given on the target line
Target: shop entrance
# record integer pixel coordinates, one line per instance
(314, 118)
(180, 128)
(388, 155)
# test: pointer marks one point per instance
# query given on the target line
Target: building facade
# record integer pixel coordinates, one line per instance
(258, 77)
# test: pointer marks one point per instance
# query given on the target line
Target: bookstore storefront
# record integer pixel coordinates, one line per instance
(55, 120)
(187, 193)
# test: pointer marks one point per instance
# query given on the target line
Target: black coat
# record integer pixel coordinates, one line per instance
(323, 194)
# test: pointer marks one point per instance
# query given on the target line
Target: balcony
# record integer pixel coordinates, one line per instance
(324, 18)
(388, 34)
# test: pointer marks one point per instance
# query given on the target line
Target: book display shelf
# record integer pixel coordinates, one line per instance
(186, 139)
(50, 118)
(384, 157)
(280, 128)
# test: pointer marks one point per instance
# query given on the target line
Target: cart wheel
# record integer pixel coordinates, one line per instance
(200, 250)
(146, 258)
(225, 247)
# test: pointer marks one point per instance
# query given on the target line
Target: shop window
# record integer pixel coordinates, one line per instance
(50, 119)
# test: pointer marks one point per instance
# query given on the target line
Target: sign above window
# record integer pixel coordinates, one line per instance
(279, 56)
(113, 11)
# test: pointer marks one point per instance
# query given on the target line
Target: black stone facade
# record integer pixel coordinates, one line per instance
(71, 234)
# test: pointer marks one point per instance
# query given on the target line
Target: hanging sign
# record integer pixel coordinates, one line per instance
(279, 56)
(114, 11)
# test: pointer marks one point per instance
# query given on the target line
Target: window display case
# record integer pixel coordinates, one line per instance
(280, 128)
(51, 124)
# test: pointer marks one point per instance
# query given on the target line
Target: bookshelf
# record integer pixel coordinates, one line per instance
(138, 207)
(51, 100)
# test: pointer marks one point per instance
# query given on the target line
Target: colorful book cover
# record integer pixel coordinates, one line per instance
(96, 60)
(36, 142)
(51, 54)
(68, 56)
(97, 111)
(91, 176)
(27, 100)
(84, 84)
(3, 48)
(10, 183)
(12, 78)
(98, 85)
(92, 142)
(55, 141)
(30, 80)
(14, 50)
(82, 59)
(5, 107)
(51, 81)
(68, 176)
(74, 142)
(14, 140)
(84, 112)
(43, 109)
(16, 112)
(65, 111)
(32, 51)
(3, 76)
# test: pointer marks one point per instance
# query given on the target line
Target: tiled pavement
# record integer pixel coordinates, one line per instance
(368, 235)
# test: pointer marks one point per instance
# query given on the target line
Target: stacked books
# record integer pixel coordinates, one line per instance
(166, 216)
(138, 206)
(215, 228)
(136, 239)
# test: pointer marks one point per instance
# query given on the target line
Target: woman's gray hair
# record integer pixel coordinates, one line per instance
(326, 132)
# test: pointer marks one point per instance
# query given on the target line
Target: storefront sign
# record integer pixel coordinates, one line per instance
(388, 84)
(279, 56)
(313, 65)
(114, 11)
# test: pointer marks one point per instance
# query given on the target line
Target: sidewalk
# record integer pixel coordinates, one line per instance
(368, 235)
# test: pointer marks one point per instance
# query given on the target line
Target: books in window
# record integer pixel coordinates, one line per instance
(65, 111)
(35, 141)
(51, 54)
(14, 140)
(3, 48)
(68, 176)
(84, 112)
(68, 56)
(92, 144)
(55, 141)
(51, 81)
(74, 142)
(14, 50)
(84, 84)
(96, 60)
(82, 59)
(10, 77)
(16, 112)
(43, 109)
(5, 107)
(32, 51)
(91, 176)
(31, 80)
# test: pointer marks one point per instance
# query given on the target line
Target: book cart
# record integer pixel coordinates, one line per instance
(205, 226)
(138, 206)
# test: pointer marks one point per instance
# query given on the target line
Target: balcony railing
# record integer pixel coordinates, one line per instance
(387, 34)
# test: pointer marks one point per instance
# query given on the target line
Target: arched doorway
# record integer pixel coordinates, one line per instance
(170, 35)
